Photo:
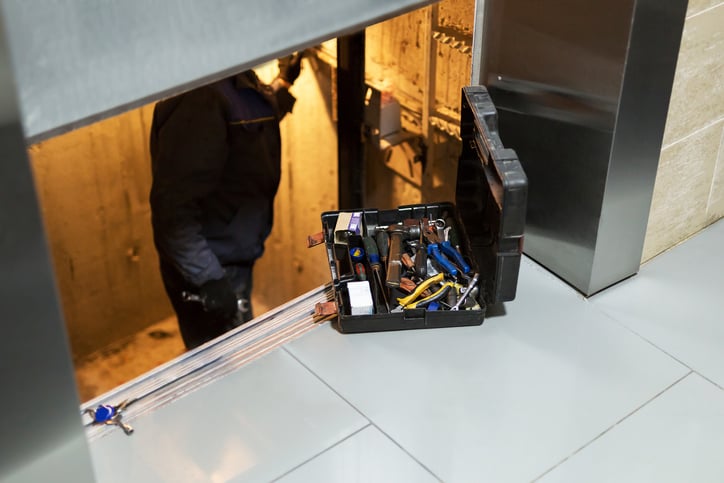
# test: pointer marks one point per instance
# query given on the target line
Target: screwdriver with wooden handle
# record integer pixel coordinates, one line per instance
(373, 257)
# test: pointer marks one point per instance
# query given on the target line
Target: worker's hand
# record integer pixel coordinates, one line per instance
(219, 298)
(290, 67)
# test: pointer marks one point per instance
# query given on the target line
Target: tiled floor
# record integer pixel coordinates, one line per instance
(624, 386)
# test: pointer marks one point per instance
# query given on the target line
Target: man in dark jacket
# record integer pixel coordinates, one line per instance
(216, 160)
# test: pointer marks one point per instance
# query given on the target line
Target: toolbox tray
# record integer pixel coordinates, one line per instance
(489, 215)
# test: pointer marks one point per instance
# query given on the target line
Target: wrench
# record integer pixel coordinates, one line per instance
(467, 291)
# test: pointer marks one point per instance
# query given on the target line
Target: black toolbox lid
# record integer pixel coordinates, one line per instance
(491, 196)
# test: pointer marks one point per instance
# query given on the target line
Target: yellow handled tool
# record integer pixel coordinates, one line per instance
(404, 301)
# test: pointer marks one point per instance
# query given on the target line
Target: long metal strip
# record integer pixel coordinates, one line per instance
(213, 360)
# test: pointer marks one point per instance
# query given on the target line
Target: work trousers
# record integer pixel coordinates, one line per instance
(198, 326)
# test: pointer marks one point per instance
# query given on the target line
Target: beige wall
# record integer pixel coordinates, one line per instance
(689, 191)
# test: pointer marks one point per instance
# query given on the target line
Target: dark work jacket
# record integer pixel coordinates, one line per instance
(216, 161)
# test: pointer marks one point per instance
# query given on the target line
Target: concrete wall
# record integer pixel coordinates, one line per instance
(93, 185)
(424, 60)
(689, 191)
(308, 188)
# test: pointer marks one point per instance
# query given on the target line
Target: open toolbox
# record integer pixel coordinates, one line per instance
(437, 264)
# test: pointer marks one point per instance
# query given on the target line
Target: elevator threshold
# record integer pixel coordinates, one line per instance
(209, 362)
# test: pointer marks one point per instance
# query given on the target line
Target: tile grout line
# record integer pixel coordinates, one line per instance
(355, 433)
(396, 443)
(656, 396)
(719, 158)
(693, 133)
(651, 343)
(326, 384)
(361, 414)
(708, 9)
(708, 380)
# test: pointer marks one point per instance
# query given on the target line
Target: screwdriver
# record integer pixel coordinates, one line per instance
(373, 257)
(359, 270)
(383, 242)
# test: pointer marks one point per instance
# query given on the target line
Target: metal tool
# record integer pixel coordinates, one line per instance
(383, 245)
(359, 270)
(467, 291)
(373, 258)
(243, 304)
(436, 296)
(398, 233)
(107, 414)
(404, 301)
(442, 250)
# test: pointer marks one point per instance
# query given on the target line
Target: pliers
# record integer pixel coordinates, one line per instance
(437, 295)
(439, 250)
(411, 302)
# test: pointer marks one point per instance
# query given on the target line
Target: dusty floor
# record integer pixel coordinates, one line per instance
(128, 358)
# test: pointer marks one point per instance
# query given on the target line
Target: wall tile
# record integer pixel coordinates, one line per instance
(698, 93)
(681, 194)
(697, 6)
(715, 210)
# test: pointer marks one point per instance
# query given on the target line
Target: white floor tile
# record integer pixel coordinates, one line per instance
(502, 402)
(252, 425)
(368, 456)
(677, 302)
(677, 437)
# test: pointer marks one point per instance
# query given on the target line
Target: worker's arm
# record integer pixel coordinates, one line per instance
(289, 69)
(189, 151)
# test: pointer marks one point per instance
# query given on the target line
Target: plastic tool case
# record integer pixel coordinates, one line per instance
(488, 221)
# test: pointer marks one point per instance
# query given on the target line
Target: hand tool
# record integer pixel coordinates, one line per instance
(439, 225)
(407, 285)
(110, 415)
(241, 303)
(406, 260)
(436, 248)
(398, 233)
(452, 298)
(420, 252)
(451, 242)
(383, 244)
(439, 294)
(467, 291)
(404, 301)
(359, 270)
(357, 254)
(421, 262)
(373, 258)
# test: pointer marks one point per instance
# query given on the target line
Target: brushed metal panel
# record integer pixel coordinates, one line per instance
(572, 82)
(636, 147)
(41, 429)
(77, 61)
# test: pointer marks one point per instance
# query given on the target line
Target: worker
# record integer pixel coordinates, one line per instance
(216, 166)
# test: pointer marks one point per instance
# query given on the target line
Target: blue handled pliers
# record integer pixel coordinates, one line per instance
(443, 251)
